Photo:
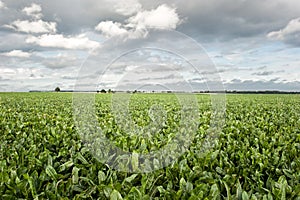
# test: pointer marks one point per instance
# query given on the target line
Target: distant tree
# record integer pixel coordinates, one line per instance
(109, 91)
(103, 91)
(57, 89)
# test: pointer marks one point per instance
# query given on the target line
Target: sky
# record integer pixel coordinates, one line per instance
(139, 44)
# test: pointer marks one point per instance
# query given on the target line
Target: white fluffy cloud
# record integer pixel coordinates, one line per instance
(126, 7)
(163, 17)
(110, 29)
(17, 53)
(38, 26)
(290, 33)
(34, 11)
(60, 41)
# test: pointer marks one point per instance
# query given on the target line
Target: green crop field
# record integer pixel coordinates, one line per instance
(257, 154)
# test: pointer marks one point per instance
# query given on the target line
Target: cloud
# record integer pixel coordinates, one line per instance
(34, 11)
(126, 7)
(264, 73)
(12, 41)
(163, 17)
(267, 73)
(69, 77)
(237, 26)
(234, 19)
(4, 79)
(7, 71)
(61, 61)
(2, 5)
(60, 41)
(110, 29)
(17, 53)
(289, 34)
(38, 26)
(252, 85)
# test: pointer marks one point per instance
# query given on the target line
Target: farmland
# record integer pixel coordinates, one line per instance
(257, 154)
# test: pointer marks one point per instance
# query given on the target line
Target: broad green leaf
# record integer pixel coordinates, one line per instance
(66, 165)
(82, 159)
(75, 177)
(182, 183)
(135, 161)
(239, 191)
(131, 178)
(101, 176)
(134, 193)
(51, 172)
(115, 195)
(245, 196)
(31, 185)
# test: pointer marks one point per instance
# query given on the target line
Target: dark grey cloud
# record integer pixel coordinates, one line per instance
(267, 73)
(289, 34)
(11, 41)
(227, 19)
(69, 77)
(61, 61)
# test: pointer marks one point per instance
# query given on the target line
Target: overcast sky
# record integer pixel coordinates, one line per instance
(252, 44)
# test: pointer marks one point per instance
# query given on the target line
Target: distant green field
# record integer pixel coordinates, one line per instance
(257, 155)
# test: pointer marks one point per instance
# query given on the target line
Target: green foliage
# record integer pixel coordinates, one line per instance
(57, 89)
(256, 156)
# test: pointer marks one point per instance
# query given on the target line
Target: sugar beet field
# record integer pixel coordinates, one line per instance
(256, 156)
